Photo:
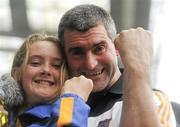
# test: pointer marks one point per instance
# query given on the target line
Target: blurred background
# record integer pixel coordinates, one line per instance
(19, 18)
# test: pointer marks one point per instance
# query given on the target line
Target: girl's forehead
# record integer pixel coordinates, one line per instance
(45, 48)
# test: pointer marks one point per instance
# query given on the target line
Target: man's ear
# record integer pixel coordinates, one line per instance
(120, 64)
(117, 53)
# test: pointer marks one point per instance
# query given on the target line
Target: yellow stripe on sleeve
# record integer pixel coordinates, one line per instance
(168, 112)
(3, 119)
(65, 111)
(159, 109)
(163, 110)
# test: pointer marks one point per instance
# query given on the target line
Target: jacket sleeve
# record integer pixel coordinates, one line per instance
(164, 109)
(3, 117)
(71, 110)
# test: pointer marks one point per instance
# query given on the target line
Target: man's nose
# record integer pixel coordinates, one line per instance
(91, 61)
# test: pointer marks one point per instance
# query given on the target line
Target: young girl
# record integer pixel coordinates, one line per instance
(38, 67)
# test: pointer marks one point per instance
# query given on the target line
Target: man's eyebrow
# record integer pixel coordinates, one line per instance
(74, 48)
(99, 43)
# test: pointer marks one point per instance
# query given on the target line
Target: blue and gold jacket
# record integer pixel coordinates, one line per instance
(68, 110)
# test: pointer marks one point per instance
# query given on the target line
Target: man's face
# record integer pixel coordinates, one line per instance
(93, 55)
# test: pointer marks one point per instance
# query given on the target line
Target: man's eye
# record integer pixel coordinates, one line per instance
(76, 52)
(99, 49)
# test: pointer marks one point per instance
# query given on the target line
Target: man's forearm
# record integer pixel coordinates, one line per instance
(138, 106)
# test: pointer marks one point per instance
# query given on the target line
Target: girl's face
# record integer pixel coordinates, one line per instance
(40, 79)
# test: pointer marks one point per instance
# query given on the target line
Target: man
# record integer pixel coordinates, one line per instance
(88, 37)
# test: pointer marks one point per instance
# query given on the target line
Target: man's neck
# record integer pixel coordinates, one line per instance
(116, 76)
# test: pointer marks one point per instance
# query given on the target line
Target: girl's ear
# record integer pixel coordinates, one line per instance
(14, 72)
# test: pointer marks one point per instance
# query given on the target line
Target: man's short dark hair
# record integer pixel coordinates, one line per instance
(84, 17)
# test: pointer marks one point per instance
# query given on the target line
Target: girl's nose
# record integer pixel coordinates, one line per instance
(46, 70)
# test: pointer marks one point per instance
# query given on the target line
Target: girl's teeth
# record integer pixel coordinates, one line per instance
(43, 82)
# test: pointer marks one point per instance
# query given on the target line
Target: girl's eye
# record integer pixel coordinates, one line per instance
(57, 66)
(35, 63)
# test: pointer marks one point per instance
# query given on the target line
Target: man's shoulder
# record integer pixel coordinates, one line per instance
(164, 108)
(160, 97)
